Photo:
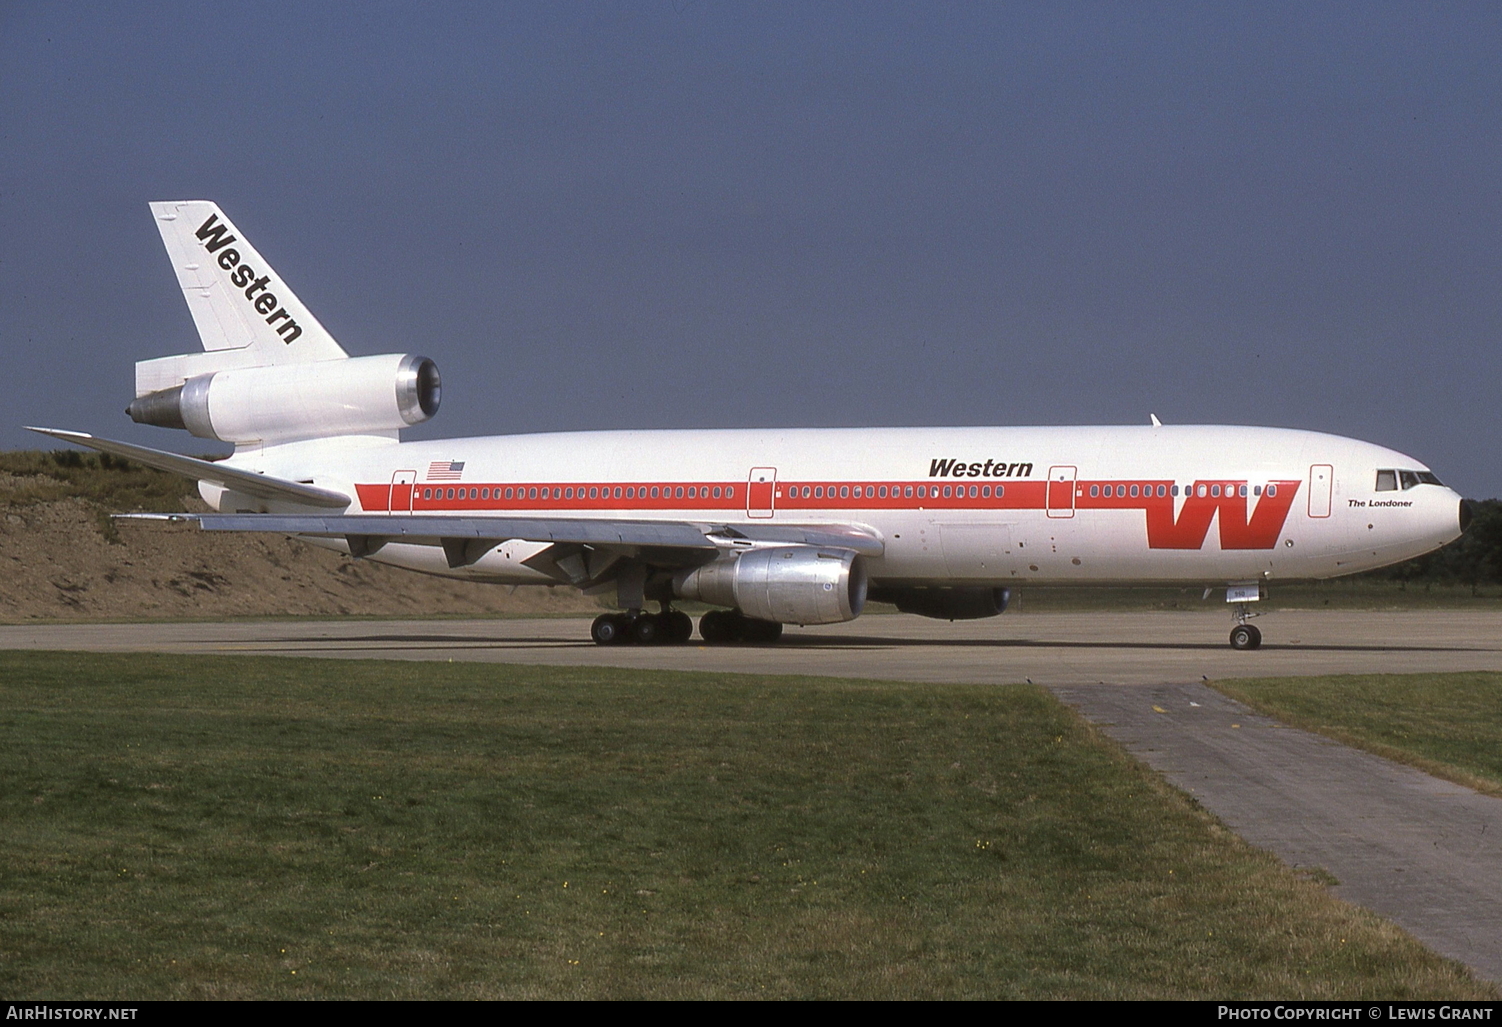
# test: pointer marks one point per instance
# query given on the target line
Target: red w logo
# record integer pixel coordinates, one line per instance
(1188, 531)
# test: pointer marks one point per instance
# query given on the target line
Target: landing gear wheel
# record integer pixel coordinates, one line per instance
(764, 631)
(680, 626)
(1244, 636)
(715, 627)
(648, 630)
(608, 629)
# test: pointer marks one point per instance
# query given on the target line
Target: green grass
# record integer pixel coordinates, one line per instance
(254, 827)
(1447, 724)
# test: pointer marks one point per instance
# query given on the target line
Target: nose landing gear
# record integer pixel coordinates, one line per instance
(1244, 636)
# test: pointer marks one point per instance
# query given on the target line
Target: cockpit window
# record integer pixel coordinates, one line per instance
(1389, 481)
(1412, 478)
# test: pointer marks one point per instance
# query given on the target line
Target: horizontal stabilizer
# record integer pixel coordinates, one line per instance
(249, 483)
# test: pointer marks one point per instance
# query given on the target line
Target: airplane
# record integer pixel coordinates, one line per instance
(768, 527)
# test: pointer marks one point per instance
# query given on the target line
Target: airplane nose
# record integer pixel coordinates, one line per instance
(1466, 515)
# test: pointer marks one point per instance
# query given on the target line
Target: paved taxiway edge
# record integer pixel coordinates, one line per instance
(1423, 852)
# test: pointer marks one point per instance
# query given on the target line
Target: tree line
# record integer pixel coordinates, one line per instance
(1474, 559)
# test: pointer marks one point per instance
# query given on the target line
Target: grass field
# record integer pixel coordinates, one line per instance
(1447, 724)
(223, 827)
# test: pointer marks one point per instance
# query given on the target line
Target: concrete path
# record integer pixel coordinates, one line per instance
(1424, 853)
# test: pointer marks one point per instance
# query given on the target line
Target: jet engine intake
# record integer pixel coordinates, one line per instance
(284, 402)
(786, 584)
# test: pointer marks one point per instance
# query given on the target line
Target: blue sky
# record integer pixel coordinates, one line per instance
(685, 214)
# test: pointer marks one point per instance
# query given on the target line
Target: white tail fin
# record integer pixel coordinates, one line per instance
(246, 315)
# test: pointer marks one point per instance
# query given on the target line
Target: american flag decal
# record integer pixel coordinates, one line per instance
(445, 470)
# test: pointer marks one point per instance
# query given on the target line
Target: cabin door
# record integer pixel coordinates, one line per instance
(761, 492)
(1321, 481)
(1061, 491)
(401, 491)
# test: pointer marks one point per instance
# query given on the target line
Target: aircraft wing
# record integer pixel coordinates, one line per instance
(262, 486)
(466, 539)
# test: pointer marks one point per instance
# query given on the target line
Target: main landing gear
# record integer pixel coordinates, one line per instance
(733, 626)
(670, 627)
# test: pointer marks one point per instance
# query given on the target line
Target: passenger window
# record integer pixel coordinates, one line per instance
(908, 492)
(1272, 490)
(1241, 491)
(1387, 481)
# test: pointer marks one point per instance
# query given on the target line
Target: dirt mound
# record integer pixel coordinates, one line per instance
(60, 559)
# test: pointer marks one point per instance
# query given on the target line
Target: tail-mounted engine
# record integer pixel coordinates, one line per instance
(354, 396)
(789, 584)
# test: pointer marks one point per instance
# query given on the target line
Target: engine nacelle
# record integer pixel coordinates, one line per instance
(354, 396)
(944, 603)
(790, 585)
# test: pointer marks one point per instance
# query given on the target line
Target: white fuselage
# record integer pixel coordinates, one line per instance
(983, 506)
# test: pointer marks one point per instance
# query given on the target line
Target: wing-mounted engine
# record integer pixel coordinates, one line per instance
(786, 584)
(285, 402)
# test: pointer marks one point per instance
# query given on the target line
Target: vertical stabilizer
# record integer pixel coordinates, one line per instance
(238, 302)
